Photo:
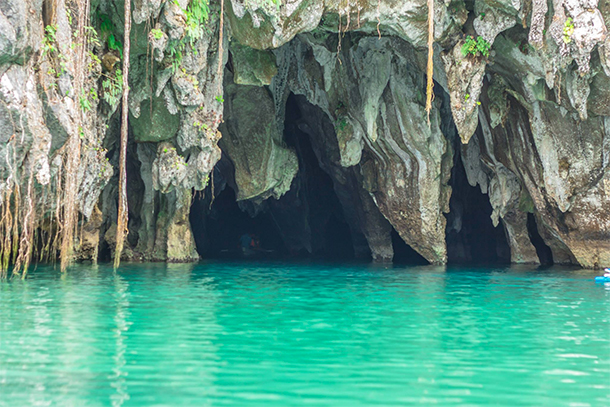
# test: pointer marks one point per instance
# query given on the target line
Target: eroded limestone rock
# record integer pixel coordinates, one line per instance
(251, 66)
(406, 168)
(464, 80)
(264, 166)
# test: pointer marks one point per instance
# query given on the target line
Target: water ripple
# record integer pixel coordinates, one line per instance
(230, 334)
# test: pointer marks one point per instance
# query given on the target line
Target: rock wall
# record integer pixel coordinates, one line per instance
(528, 121)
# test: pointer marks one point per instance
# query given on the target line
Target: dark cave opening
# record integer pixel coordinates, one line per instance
(331, 237)
(404, 254)
(545, 255)
(306, 222)
(471, 237)
(219, 227)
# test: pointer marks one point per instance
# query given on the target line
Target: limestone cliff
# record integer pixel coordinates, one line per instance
(525, 123)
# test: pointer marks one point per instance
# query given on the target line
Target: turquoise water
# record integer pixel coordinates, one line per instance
(229, 334)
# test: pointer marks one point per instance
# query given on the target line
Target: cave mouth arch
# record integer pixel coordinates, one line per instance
(322, 216)
(405, 254)
(305, 223)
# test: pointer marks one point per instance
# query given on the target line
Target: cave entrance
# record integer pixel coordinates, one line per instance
(331, 235)
(314, 219)
(278, 225)
(219, 231)
(471, 236)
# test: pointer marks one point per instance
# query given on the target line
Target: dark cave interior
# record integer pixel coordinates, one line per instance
(471, 236)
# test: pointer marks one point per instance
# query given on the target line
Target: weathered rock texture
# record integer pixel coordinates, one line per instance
(529, 123)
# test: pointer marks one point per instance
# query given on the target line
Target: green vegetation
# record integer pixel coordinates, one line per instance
(84, 102)
(477, 47)
(220, 99)
(93, 61)
(197, 14)
(568, 30)
(50, 50)
(156, 33)
(201, 126)
(107, 29)
(341, 124)
(113, 88)
(49, 40)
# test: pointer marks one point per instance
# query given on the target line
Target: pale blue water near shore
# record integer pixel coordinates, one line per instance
(230, 334)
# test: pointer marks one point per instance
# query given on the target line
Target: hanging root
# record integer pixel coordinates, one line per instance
(348, 9)
(7, 222)
(379, 17)
(11, 215)
(122, 217)
(27, 234)
(72, 149)
(220, 46)
(430, 68)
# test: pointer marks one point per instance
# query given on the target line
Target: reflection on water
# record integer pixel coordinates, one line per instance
(281, 334)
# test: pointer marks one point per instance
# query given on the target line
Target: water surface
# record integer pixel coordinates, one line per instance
(231, 334)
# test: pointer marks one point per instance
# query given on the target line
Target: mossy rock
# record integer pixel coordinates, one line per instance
(253, 67)
(156, 124)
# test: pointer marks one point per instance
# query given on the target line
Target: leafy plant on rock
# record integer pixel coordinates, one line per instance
(568, 30)
(112, 87)
(107, 28)
(49, 40)
(156, 33)
(476, 47)
(197, 14)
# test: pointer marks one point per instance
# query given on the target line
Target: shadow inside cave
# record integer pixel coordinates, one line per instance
(470, 235)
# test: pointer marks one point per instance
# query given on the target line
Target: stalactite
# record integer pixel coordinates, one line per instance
(122, 217)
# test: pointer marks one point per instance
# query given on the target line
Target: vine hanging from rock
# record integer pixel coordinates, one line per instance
(430, 67)
(122, 217)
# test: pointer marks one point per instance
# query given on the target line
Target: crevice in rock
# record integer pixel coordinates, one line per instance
(545, 255)
(471, 236)
(404, 254)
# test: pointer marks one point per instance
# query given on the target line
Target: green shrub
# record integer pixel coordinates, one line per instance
(107, 28)
(477, 47)
(568, 30)
(156, 33)
(113, 88)
(84, 102)
(197, 14)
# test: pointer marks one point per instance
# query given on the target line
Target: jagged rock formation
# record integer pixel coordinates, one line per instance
(528, 123)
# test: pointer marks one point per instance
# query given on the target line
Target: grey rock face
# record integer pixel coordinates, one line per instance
(264, 166)
(532, 118)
